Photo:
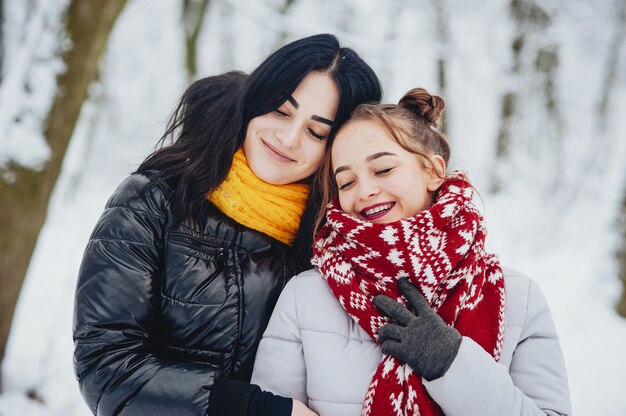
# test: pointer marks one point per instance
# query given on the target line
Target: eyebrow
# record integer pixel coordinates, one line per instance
(379, 154)
(367, 159)
(293, 102)
(313, 117)
(322, 120)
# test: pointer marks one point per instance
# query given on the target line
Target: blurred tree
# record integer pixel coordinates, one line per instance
(621, 257)
(283, 34)
(530, 22)
(614, 56)
(443, 37)
(24, 198)
(1, 39)
(194, 12)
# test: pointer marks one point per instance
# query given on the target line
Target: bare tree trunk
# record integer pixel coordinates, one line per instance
(609, 87)
(24, 193)
(443, 37)
(507, 111)
(387, 72)
(612, 67)
(227, 36)
(194, 12)
(1, 39)
(621, 257)
(528, 19)
(282, 35)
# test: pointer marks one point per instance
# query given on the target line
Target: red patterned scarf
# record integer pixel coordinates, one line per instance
(441, 251)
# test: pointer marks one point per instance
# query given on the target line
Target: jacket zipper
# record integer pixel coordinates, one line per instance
(196, 244)
(239, 283)
(286, 271)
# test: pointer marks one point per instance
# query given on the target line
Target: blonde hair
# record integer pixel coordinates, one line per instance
(412, 123)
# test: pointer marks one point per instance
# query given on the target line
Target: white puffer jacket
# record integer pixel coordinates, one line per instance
(313, 351)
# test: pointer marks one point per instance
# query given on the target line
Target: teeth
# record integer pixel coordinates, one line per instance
(378, 209)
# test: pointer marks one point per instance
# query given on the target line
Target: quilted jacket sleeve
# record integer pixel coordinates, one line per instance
(279, 365)
(535, 383)
(116, 315)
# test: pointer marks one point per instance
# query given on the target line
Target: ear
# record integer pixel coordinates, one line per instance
(436, 173)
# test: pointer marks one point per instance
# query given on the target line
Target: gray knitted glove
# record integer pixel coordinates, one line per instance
(421, 339)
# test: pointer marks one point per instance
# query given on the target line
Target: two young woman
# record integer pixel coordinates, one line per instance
(185, 265)
(473, 339)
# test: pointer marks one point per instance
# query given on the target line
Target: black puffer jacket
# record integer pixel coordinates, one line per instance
(163, 310)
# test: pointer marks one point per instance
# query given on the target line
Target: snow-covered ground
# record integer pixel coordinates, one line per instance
(554, 218)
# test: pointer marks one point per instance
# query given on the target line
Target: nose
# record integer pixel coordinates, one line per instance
(289, 135)
(367, 188)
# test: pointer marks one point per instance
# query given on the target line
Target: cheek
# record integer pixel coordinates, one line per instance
(343, 202)
(249, 134)
(405, 189)
(398, 188)
(416, 199)
(259, 123)
(248, 146)
(315, 154)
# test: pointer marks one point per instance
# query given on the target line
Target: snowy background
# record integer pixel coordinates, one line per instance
(551, 196)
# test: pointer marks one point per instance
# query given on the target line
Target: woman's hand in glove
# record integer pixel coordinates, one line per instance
(419, 338)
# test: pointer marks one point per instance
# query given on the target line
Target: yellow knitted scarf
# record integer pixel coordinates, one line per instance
(274, 210)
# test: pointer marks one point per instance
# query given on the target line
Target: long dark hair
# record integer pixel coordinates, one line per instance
(210, 121)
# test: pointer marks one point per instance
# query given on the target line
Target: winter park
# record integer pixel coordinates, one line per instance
(534, 91)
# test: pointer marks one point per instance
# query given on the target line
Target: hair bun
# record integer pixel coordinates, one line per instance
(426, 107)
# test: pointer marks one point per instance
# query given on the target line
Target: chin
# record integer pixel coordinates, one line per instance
(273, 178)
(387, 220)
(270, 179)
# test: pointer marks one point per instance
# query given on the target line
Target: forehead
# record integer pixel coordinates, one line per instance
(317, 93)
(360, 139)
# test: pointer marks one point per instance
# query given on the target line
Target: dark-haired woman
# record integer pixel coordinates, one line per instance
(474, 339)
(186, 263)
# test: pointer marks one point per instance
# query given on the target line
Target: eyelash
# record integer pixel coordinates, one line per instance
(317, 136)
(378, 172)
(283, 114)
(345, 185)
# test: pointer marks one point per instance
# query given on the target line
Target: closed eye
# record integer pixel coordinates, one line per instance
(317, 136)
(280, 113)
(383, 171)
(345, 185)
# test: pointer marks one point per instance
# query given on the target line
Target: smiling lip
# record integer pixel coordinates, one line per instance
(379, 214)
(275, 153)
